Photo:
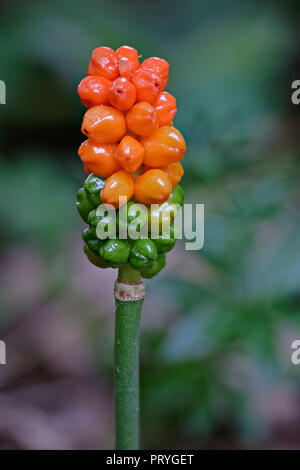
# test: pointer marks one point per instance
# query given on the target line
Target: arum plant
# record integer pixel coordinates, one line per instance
(132, 154)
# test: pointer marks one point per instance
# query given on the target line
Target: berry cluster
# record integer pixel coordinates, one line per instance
(129, 126)
(132, 149)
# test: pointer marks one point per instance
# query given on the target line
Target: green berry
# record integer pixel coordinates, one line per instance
(93, 186)
(94, 245)
(143, 254)
(83, 204)
(89, 233)
(115, 252)
(159, 264)
(177, 196)
(95, 258)
(166, 240)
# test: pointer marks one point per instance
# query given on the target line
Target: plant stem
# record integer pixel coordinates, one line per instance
(128, 274)
(126, 370)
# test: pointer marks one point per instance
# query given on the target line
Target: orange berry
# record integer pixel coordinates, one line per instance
(159, 66)
(165, 146)
(122, 94)
(104, 124)
(119, 184)
(99, 159)
(165, 108)
(148, 85)
(130, 154)
(153, 187)
(104, 62)
(93, 91)
(174, 171)
(86, 169)
(142, 119)
(93, 70)
(128, 61)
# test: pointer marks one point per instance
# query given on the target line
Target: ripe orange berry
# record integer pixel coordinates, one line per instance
(93, 91)
(153, 187)
(174, 171)
(142, 119)
(119, 184)
(130, 154)
(128, 61)
(104, 62)
(165, 108)
(148, 85)
(159, 66)
(165, 146)
(122, 94)
(99, 159)
(104, 124)
(86, 169)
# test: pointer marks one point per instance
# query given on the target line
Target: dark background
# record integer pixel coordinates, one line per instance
(217, 324)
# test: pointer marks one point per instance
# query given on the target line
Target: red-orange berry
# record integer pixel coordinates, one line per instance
(104, 124)
(122, 94)
(148, 85)
(165, 146)
(142, 119)
(128, 61)
(165, 108)
(174, 171)
(86, 169)
(130, 154)
(159, 66)
(99, 159)
(119, 184)
(93, 91)
(104, 62)
(152, 187)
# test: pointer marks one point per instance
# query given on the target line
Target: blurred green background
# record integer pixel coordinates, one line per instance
(218, 324)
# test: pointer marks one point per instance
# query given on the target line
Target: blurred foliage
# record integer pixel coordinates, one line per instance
(232, 64)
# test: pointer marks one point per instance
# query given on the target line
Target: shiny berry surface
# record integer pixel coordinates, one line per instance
(122, 94)
(104, 62)
(165, 108)
(142, 119)
(152, 187)
(99, 158)
(148, 85)
(93, 91)
(128, 61)
(104, 124)
(130, 154)
(119, 184)
(165, 146)
(174, 171)
(159, 66)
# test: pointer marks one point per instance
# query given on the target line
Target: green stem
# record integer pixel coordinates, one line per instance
(128, 274)
(126, 371)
